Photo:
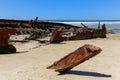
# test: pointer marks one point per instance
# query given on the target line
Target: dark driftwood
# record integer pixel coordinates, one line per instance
(77, 57)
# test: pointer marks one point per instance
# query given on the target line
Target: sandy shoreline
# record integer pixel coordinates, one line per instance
(31, 61)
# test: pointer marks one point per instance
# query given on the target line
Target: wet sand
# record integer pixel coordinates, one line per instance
(31, 60)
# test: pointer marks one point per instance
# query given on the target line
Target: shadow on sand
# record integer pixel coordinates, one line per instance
(85, 73)
(21, 52)
(59, 43)
(14, 53)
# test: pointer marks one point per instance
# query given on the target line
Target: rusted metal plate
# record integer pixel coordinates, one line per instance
(56, 37)
(4, 36)
(7, 31)
(75, 58)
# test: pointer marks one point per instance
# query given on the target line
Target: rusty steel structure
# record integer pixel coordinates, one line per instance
(90, 33)
(80, 34)
(41, 29)
(5, 47)
(75, 58)
(32, 24)
(33, 27)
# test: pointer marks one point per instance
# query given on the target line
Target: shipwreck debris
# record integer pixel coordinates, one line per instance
(75, 58)
(4, 36)
(56, 36)
(79, 34)
(35, 29)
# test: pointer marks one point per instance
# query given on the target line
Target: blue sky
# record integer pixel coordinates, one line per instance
(60, 9)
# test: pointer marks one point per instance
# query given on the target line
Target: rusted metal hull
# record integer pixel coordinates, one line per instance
(36, 29)
(75, 58)
(85, 33)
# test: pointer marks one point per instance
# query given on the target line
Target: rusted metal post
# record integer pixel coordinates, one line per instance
(56, 37)
(104, 31)
(99, 25)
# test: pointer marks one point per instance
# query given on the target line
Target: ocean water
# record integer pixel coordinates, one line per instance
(111, 25)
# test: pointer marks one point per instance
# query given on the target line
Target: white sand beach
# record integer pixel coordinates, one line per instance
(31, 60)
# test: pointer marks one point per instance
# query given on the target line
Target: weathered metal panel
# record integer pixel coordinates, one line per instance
(56, 37)
(77, 57)
(4, 36)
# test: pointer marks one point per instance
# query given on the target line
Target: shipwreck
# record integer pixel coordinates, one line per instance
(43, 31)
(34, 29)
